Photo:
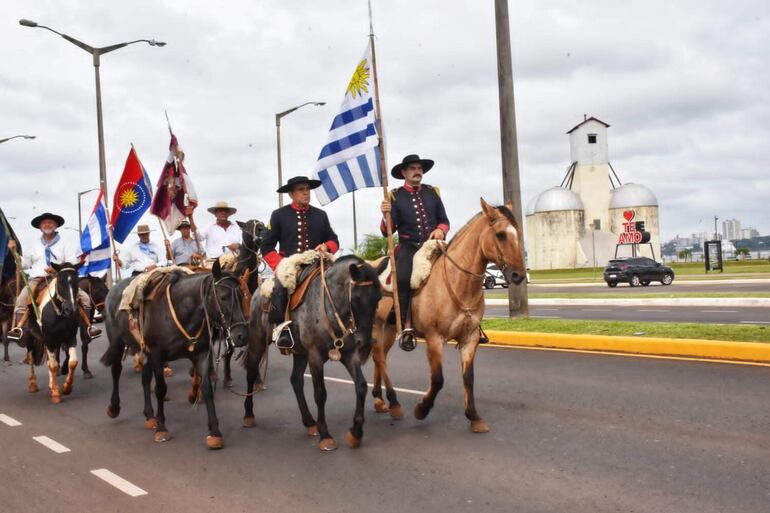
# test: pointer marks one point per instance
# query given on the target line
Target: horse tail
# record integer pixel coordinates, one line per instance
(36, 348)
(112, 355)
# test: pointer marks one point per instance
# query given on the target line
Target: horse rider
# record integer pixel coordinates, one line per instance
(295, 228)
(417, 214)
(50, 248)
(222, 237)
(143, 255)
(184, 249)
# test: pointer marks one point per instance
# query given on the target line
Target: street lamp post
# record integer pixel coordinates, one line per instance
(278, 140)
(80, 215)
(15, 136)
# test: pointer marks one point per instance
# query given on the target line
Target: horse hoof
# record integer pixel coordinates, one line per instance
(151, 423)
(87, 375)
(380, 406)
(33, 388)
(420, 412)
(313, 431)
(191, 397)
(113, 411)
(66, 390)
(249, 422)
(215, 442)
(137, 367)
(168, 372)
(55, 399)
(162, 436)
(327, 444)
(479, 426)
(352, 441)
(259, 387)
(396, 413)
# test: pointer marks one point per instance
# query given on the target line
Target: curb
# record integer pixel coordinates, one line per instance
(713, 281)
(756, 302)
(686, 347)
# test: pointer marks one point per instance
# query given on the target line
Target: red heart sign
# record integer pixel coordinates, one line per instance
(629, 215)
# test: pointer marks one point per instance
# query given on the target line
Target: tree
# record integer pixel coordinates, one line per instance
(685, 254)
(742, 252)
(373, 247)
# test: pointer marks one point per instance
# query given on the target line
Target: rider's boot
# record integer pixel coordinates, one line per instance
(16, 333)
(91, 330)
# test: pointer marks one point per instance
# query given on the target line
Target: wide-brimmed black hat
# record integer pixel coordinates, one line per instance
(298, 180)
(59, 220)
(398, 169)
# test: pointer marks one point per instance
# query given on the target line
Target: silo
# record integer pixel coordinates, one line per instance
(632, 203)
(554, 228)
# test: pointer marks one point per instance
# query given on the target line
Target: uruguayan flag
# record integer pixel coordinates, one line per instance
(350, 159)
(95, 242)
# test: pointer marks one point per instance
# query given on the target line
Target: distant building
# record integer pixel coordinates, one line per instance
(580, 222)
(731, 229)
(749, 233)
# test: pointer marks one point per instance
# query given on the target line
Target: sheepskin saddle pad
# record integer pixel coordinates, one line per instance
(143, 285)
(288, 271)
(421, 265)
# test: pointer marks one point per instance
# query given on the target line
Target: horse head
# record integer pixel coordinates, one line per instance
(363, 291)
(501, 242)
(67, 286)
(96, 288)
(253, 231)
(224, 305)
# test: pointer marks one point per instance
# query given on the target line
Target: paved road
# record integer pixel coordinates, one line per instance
(570, 432)
(732, 286)
(727, 315)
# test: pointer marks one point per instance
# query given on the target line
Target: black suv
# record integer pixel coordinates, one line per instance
(637, 271)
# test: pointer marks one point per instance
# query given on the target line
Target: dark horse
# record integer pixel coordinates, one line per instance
(97, 291)
(7, 298)
(182, 321)
(351, 299)
(59, 321)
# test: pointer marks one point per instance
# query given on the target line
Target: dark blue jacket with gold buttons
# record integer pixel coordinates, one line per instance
(295, 230)
(415, 213)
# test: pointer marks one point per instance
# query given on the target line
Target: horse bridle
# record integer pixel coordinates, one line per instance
(58, 296)
(222, 322)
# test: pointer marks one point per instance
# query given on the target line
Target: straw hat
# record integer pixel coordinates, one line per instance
(142, 229)
(222, 205)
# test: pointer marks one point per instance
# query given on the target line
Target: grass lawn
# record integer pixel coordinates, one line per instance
(641, 295)
(695, 270)
(731, 332)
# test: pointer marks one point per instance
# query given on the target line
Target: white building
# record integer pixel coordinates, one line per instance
(731, 229)
(580, 222)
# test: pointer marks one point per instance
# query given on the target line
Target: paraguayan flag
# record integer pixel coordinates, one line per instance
(95, 242)
(350, 160)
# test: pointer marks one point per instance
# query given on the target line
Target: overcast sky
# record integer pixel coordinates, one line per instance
(684, 86)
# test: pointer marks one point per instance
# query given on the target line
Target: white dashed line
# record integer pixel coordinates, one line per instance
(338, 380)
(118, 482)
(653, 310)
(51, 444)
(596, 309)
(9, 421)
(719, 311)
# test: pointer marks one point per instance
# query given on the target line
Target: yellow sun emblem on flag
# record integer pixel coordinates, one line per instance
(360, 80)
(128, 198)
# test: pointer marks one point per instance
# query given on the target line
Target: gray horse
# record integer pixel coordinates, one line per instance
(207, 307)
(355, 292)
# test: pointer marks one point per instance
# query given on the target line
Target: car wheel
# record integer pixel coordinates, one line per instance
(667, 279)
(645, 283)
(635, 281)
(489, 282)
(612, 284)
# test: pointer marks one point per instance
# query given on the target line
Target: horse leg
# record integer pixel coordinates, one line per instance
(327, 443)
(253, 359)
(156, 365)
(356, 433)
(3, 333)
(394, 406)
(214, 439)
(53, 375)
(228, 383)
(298, 384)
(72, 359)
(64, 366)
(32, 387)
(84, 342)
(195, 387)
(116, 368)
(467, 355)
(435, 348)
(149, 415)
(378, 357)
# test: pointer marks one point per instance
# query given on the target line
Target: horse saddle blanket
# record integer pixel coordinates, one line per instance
(146, 284)
(306, 276)
(422, 264)
(44, 292)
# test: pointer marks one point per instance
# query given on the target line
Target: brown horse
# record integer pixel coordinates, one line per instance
(450, 306)
(7, 298)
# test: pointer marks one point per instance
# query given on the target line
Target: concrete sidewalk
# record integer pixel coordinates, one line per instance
(684, 301)
(730, 281)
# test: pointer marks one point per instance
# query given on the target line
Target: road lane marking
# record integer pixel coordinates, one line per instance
(754, 322)
(653, 310)
(596, 309)
(118, 482)
(9, 421)
(719, 311)
(349, 382)
(51, 444)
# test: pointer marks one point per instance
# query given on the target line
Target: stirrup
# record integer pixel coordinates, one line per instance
(278, 331)
(15, 334)
(93, 332)
(406, 340)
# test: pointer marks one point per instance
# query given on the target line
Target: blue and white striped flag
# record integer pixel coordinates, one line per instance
(350, 160)
(95, 242)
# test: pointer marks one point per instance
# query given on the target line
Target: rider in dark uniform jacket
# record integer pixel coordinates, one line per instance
(294, 228)
(417, 214)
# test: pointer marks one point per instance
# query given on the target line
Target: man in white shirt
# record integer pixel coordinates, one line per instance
(51, 248)
(144, 255)
(223, 236)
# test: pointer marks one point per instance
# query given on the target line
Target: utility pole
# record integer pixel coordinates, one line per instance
(716, 233)
(518, 303)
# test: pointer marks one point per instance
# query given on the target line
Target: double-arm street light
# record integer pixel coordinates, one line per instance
(96, 53)
(15, 136)
(278, 140)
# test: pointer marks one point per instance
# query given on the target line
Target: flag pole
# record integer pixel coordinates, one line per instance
(384, 175)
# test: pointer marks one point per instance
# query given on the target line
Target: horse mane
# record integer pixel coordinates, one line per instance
(502, 209)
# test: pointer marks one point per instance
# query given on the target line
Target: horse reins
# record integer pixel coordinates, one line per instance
(57, 295)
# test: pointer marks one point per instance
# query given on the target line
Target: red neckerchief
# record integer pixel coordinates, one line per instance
(409, 188)
(299, 208)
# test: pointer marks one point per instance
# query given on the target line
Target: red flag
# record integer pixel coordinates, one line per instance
(132, 197)
(175, 196)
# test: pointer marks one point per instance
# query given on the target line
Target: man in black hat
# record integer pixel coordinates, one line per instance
(294, 228)
(51, 248)
(417, 214)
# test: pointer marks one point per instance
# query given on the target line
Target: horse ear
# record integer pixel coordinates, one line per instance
(242, 225)
(509, 205)
(216, 269)
(56, 267)
(488, 210)
(79, 265)
(356, 273)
